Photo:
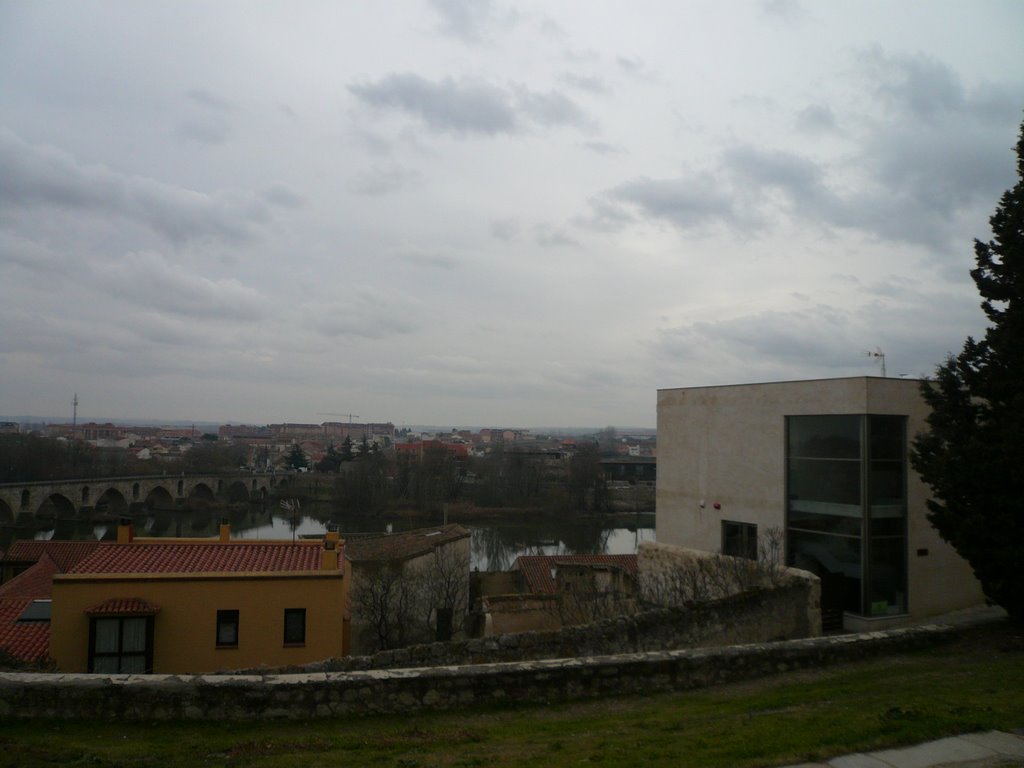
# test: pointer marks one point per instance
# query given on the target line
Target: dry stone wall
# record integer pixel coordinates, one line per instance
(348, 694)
(788, 611)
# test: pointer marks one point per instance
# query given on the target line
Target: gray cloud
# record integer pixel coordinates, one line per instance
(202, 133)
(459, 108)
(588, 83)
(281, 195)
(364, 314)
(34, 175)
(469, 106)
(505, 229)
(603, 148)
(18, 251)
(920, 174)
(210, 100)
(816, 119)
(920, 85)
(914, 325)
(383, 181)
(430, 260)
(686, 203)
(466, 20)
(788, 11)
(606, 214)
(149, 280)
(548, 236)
(551, 108)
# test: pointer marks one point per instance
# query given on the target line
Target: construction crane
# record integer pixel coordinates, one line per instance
(350, 415)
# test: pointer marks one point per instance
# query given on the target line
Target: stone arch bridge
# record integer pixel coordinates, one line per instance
(124, 495)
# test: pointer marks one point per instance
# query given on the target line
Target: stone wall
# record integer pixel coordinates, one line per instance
(347, 694)
(787, 611)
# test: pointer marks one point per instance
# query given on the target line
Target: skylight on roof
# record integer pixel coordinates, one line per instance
(37, 610)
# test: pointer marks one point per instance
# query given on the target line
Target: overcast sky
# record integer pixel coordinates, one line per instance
(463, 212)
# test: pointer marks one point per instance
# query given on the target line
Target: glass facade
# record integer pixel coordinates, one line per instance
(846, 508)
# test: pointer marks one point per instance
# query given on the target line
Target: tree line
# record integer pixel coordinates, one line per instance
(30, 458)
(374, 481)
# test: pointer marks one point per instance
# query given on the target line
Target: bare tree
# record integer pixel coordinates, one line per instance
(709, 577)
(385, 602)
(446, 589)
(403, 603)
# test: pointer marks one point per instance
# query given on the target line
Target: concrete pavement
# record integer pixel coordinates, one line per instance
(972, 750)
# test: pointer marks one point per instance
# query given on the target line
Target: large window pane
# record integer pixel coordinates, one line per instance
(108, 636)
(294, 626)
(887, 440)
(133, 639)
(133, 665)
(826, 518)
(836, 559)
(886, 483)
(887, 582)
(739, 539)
(825, 437)
(120, 645)
(825, 480)
(106, 665)
(227, 628)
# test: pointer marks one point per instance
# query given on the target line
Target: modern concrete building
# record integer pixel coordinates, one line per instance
(824, 462)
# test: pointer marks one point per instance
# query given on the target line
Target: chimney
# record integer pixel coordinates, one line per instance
(225, 530)
(332, 549)
(125, 531)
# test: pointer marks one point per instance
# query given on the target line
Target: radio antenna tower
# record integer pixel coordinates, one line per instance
(879, 355)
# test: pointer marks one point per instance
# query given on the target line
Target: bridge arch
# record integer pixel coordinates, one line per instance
(54, 506)
(6, 513)
(111, 502)
(201, 492)
(159, 498)
(236, 492)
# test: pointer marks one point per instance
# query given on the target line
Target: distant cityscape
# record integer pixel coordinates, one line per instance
(268, 444)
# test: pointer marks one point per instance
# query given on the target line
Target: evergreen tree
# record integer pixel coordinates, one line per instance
(973, 452)
(346, 450)
(331, 460)
(297, 459)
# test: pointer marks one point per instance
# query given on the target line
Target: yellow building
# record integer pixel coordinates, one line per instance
(196, 606)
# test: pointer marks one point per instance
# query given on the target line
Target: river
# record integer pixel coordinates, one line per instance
(494, 545)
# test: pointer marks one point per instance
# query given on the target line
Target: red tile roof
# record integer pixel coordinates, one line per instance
(64, 553)
(27, 641)
(35, 583)
(401, 546)
(536, 569)
(123, 606)
(201, 557)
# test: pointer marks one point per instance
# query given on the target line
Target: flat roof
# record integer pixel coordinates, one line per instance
(795, 381)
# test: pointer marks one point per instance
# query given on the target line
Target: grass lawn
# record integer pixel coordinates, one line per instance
(974, 683)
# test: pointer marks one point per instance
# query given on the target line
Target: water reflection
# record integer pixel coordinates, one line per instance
(495, 547)
(494, 544)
